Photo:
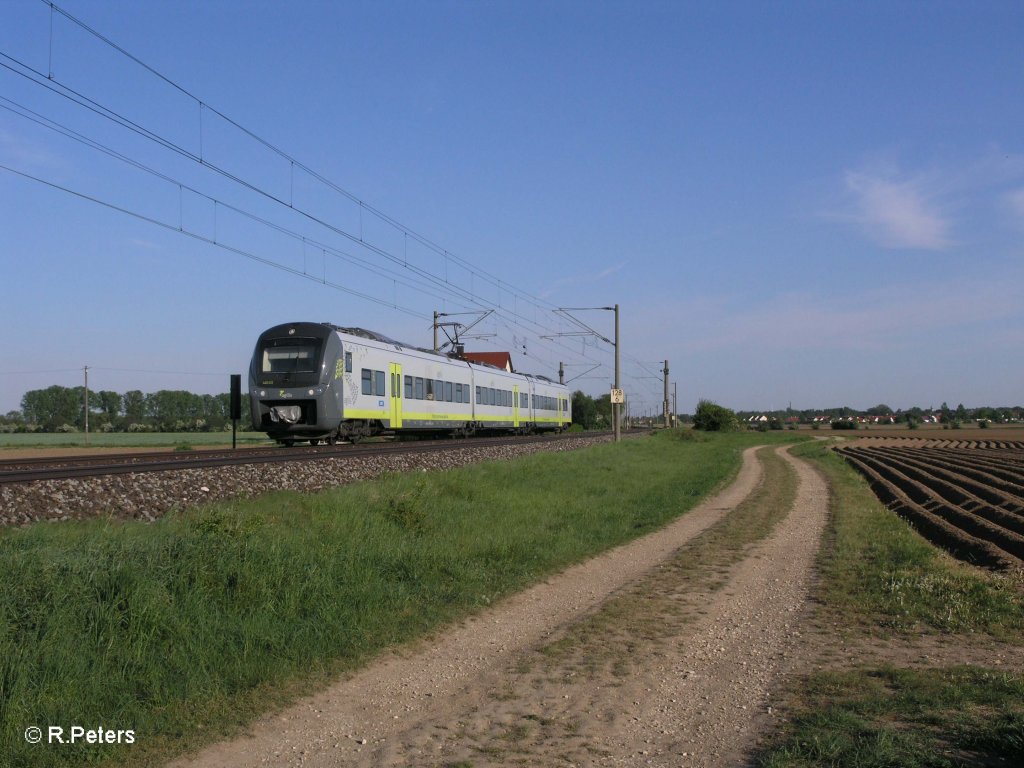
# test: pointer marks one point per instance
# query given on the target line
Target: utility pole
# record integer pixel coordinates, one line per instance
(561, 372)
(435, 329)
(616, 408)
(664, 404)
(86, 404)
(588, 331)
(675, 401)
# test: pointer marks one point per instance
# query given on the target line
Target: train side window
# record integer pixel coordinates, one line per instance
(438, 389)
(419, 388)
(448, 392)
(458, 393)
(430, 389)
(367, 381)
(408, 387)
(348, 362)
(378, 383)
(478, 395)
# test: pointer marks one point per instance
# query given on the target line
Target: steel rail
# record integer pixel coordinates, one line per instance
(62, 468)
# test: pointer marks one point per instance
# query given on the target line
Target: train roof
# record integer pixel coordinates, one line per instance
(380, 337)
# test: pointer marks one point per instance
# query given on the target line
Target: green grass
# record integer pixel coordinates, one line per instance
(127, 439)
(184, 629)
(883, 718)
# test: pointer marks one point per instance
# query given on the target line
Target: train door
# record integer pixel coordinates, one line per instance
(560, 411)
(515, 406)
(396, 395)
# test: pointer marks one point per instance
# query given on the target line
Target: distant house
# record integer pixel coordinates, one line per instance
(497, 359)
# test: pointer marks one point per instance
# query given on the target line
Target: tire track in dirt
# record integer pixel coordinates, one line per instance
(461, 697)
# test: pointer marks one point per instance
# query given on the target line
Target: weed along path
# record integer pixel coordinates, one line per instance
(661, 652)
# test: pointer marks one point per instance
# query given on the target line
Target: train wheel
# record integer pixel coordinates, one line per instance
(287, 443)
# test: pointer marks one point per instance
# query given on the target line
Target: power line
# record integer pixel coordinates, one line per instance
(209, 241)
(50, 82)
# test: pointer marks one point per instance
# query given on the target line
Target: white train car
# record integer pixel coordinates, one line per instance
(315, 381)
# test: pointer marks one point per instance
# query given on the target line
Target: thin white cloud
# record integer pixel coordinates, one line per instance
(1015, 201)
(897, 214)
(582, 279)
(906, 316)
(25, 152)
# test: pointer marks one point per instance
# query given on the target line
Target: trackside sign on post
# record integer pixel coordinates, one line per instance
(618, 396)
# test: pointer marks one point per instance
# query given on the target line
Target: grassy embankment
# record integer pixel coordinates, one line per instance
(128, 439)
(880, 580)
(183, 629)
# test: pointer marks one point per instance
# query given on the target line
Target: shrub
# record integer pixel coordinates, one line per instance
(712, 417)
(982, 424)
(844, 425)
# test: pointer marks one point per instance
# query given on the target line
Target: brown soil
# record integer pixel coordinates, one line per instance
(571, 672)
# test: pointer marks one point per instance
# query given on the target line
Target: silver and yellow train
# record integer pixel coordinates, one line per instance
(316, 381)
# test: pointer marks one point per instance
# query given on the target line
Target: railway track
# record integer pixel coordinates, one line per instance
(968, 500)
(61, 468)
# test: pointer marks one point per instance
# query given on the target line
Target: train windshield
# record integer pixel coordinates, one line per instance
(290, 355)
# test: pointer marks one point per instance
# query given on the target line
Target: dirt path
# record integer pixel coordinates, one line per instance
(694, 694)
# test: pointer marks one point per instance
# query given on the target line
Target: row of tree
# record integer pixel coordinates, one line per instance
(63, 409)
(943, 413)
(59, 408)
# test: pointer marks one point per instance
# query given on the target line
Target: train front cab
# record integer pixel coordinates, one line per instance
(294, 389)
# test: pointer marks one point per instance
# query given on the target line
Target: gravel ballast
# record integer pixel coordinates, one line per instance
(150, 495)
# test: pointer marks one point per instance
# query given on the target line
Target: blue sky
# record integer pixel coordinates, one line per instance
(815, 203)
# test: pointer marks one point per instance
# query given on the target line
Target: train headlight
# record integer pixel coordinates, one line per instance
(311, 392)
(263, 393)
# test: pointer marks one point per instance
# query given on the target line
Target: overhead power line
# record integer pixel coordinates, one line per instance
(508, 317)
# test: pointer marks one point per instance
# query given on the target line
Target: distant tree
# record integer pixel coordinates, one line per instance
(108, 403)
(54, 406)
(961, 413)
(584, 410)
(134, 404)
(712, 417)
(986, 414)
(879, 410)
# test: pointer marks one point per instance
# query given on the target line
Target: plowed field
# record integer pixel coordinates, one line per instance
(966, 496)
